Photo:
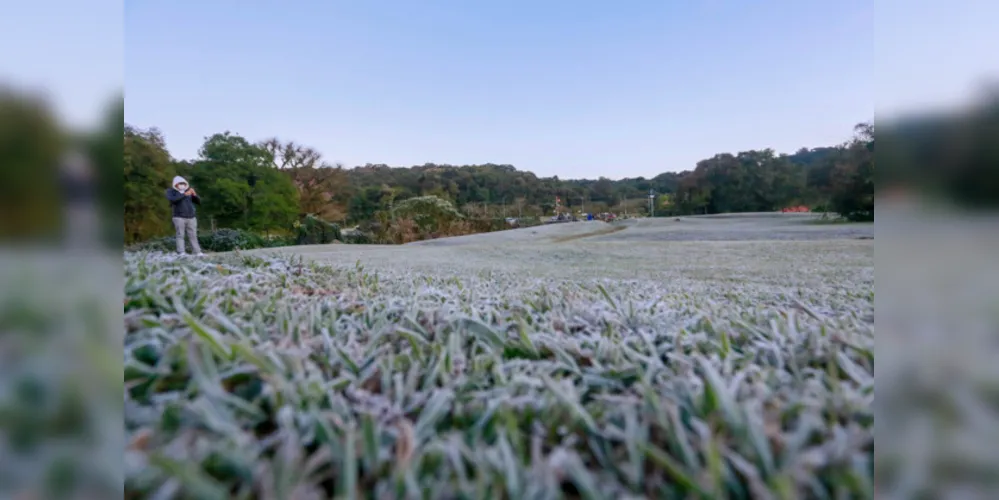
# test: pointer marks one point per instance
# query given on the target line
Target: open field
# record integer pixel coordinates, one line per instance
(742, 227)
(571, 360)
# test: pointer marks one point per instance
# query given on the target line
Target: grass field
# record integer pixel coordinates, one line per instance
(706, 357)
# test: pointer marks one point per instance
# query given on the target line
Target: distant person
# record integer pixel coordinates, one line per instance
(182, 200)
(79, 189)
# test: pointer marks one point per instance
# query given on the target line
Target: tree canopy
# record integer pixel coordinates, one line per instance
(266, 186)
(244, 188)
(148, 172)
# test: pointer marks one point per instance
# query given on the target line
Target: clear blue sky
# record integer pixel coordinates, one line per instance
(570, 88)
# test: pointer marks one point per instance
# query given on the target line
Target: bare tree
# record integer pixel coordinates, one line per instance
(290, 155)
(321, 186)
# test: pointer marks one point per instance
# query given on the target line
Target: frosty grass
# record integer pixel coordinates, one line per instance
(268, 376)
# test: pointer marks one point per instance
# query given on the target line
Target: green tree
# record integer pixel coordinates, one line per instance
(364, 204)
(950, 154)
(107, 153)
(430, 213)
(30, 146)
(853, 179)
(148, 172)
(240, 188)
(756, 180)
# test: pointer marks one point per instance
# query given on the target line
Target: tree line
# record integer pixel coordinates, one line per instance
(270, 186)
(265, 186)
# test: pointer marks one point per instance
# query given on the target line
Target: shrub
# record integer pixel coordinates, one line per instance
(309, 231)
(428, 213)
(162, 244)
(227, 240)
(357, 238)
(312, 230)
(221, 240)
(280, 241)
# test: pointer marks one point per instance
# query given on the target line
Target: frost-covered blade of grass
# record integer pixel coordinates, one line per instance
(274, 377)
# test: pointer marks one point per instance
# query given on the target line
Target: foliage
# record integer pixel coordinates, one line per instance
(221, 240)
(252, 376)
(423, 218)
(36, 183)
(309, 231)
(161, 244)
(429, 213)
(106, 150)
(323, 189)
(223, 175)
(148, 173)
(749, 181)
(312, 230)
(368, 201)
(357, 238)
(953, 155)
(853, 192)
(752, 181)
(30, 145)
(227, 240)
(406, 204)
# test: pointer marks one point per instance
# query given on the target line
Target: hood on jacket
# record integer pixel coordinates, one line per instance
(177, 180)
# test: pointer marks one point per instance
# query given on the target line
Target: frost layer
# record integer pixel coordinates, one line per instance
(271, 377)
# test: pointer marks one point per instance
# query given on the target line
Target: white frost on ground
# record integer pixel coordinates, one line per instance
(508, 363)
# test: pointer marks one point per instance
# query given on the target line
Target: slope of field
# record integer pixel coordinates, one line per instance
(535, 367)
(739, 227)
(723, 227)
(547, 232)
